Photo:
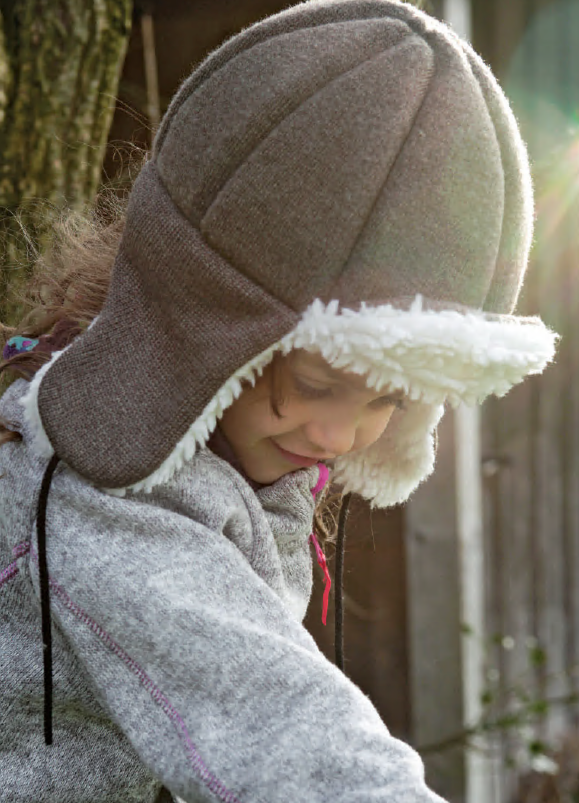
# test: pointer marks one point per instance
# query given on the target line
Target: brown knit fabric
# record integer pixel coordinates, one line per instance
(345, 149)
(167, 338)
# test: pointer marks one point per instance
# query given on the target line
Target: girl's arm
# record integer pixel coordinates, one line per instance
(223, 695)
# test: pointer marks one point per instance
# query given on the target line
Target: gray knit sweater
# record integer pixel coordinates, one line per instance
(179, 654)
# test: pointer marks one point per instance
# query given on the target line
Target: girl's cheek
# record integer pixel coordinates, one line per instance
(370, 430)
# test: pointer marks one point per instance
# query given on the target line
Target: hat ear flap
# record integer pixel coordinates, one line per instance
(389, 470)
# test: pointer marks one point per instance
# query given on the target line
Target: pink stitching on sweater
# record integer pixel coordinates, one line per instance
(21, 549)
(8, 573)
(207, 777)
(12, 569)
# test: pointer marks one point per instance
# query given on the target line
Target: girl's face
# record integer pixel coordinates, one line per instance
(323, 413)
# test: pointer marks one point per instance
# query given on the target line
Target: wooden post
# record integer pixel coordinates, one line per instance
(434, 622)
(480, 773)
(469, 509)
(151, 69)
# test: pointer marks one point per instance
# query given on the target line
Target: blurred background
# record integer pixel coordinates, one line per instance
(462, 607)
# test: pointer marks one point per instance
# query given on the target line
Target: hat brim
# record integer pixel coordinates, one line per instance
(430, 352)
(433, 351)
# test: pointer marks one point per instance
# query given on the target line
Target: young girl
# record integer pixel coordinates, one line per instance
(325, 246)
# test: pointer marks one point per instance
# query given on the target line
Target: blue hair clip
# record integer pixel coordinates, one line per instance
(18, 345)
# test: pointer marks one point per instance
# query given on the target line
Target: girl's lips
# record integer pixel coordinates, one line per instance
(296, 459)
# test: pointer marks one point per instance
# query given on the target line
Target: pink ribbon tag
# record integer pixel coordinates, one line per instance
(322, 480)
(327, 579)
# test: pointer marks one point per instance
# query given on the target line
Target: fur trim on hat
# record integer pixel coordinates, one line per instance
(40, 443)
(432, 355)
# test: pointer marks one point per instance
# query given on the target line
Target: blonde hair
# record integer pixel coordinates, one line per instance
(70, 280)
(67, 289)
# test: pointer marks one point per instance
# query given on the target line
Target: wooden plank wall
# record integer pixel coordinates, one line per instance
(530, 439)
(375, 612)
(532, 436)
(530, 463)
(434, 624)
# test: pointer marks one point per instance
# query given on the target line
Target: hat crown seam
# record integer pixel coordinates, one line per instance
(414, 26)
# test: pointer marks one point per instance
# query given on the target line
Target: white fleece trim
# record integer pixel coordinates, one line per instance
(29, 402)
(32, 419)
(430, 355)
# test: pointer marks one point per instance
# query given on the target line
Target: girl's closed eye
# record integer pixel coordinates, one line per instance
(311, 392)
(308, 391)
(399, 402)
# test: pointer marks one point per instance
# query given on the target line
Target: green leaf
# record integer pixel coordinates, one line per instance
(537, 656)
(486, 697)
(537, 747)
(538, 707)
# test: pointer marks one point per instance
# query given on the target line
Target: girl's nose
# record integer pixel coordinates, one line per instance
(331, 438)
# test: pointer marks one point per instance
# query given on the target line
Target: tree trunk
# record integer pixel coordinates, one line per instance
(60, 62)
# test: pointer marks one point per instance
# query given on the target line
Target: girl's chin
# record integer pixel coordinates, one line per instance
(269, 475)
(268, 471)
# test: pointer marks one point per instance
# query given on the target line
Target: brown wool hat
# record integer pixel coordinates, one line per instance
(346, 177)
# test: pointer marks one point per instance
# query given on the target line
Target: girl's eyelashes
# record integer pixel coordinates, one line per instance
(399, 402)
(308, 391)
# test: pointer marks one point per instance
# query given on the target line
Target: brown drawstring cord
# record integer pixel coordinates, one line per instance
(45, 596)
(339, 582)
